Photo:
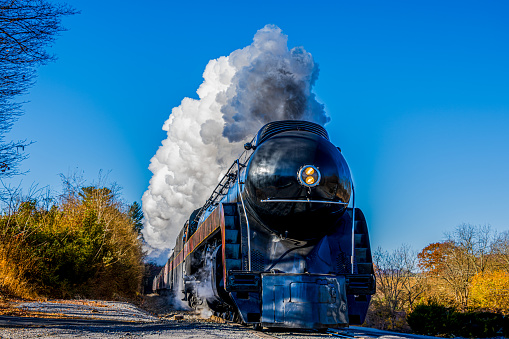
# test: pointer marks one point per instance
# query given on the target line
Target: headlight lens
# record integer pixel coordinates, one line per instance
(309, 176)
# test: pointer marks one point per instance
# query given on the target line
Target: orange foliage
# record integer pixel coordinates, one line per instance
(433, 256)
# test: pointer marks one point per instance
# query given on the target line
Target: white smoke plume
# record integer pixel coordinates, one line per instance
(262, 82)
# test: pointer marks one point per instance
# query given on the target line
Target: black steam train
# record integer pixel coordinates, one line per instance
(276, 244)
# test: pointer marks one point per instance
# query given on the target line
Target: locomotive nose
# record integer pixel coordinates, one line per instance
(292, 179)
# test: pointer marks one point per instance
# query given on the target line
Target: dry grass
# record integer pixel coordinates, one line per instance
(154, 304)
(13, 267)
(92, 303)
(10, 307)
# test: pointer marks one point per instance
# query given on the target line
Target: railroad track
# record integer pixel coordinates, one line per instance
(345, 333)
(310, 334)
(342, 334)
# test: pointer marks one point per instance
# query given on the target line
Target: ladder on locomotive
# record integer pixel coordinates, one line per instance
(225, 183)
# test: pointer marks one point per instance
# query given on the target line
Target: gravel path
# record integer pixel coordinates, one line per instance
(90, 309)
(161, 331)
(107, 319)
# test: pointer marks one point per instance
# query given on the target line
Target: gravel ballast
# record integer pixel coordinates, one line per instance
(109, 319)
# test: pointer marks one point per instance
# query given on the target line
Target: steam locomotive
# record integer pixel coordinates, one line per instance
(277, 245)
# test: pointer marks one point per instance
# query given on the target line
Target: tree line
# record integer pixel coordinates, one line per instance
(83, 242)
(466, 272)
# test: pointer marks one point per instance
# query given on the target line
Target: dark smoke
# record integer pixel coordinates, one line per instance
(274, 86)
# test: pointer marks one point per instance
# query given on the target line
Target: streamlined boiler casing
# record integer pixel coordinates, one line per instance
(277, 244)
(274, 191)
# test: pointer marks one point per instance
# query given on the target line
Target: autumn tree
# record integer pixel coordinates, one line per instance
(27, 28)
(398, 286)
(490, 291)
(465, 253)
(432, 257)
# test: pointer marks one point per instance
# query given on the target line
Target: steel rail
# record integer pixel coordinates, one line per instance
(334, 333)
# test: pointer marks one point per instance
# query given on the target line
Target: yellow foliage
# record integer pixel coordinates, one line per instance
(490, 291)
(12, 272)
(84, 244)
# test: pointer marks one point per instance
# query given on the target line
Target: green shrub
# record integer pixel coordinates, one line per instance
(434, 319)
(431, 319)
(477, 325)
(505, 327)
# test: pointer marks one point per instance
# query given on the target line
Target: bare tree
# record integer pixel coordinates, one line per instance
(27, 27)
(501, 250)
(467, 256)
(398, 284)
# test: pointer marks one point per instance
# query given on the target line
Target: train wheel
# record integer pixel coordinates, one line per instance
(257, 327)
(194, 301)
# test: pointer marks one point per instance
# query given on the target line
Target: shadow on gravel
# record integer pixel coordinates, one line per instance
(101, 326)
(12, 321)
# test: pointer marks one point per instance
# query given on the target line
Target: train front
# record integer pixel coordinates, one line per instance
(297, 181)
(297, 187)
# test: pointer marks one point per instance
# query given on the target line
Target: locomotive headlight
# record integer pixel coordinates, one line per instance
(309, 176)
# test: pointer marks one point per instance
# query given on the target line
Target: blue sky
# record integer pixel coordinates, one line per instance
(418, 94)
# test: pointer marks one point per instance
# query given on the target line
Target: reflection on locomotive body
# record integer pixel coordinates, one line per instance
(277, 244)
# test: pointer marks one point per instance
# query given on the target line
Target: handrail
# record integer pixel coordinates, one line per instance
(224, 184)
(353, 227)
(219, 191)
(308, 200)
(247, 219)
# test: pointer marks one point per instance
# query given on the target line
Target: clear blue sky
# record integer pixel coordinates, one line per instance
(418, 93)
